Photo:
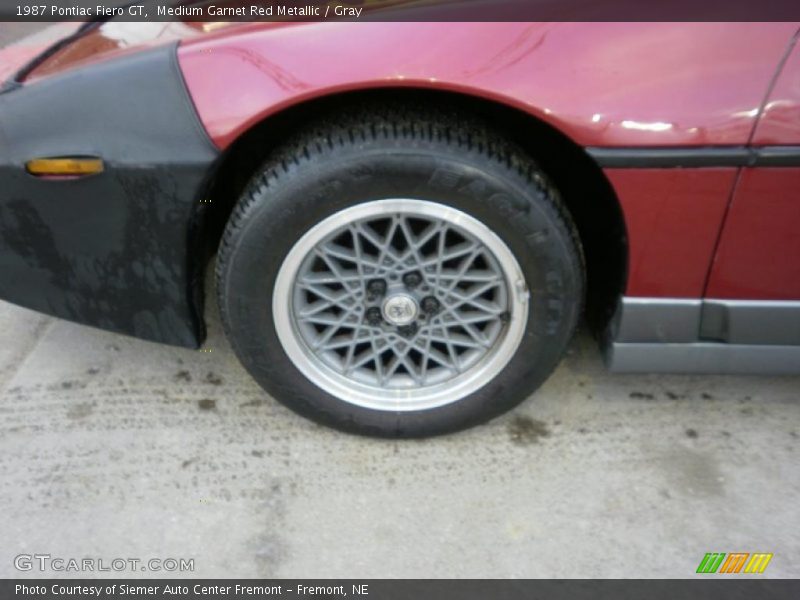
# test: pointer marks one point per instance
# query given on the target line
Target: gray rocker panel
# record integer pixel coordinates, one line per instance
(703, 358)
(675, 335)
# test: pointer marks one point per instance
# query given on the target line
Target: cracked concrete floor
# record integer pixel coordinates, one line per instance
(113, 447)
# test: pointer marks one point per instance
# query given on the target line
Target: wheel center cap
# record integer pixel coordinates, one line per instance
(400, 309)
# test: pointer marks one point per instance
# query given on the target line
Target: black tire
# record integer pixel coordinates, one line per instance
(391, 152)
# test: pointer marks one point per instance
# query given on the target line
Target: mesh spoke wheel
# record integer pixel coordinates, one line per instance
(400, 304)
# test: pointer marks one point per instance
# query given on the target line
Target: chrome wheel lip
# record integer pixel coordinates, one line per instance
(408, 399)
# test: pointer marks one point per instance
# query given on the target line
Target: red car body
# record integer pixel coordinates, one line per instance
(602, 85)
(696, 127)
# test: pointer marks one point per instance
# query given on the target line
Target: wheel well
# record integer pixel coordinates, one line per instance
(582, 184)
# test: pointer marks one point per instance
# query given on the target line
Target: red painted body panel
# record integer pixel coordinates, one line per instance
(759, 252)
(780, 121)
(673, 218)
(602, 84)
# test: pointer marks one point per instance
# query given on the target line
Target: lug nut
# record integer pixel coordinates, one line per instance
(376, 288)
(373, 315)
(430, 305)
(407, 331)
(412, 280)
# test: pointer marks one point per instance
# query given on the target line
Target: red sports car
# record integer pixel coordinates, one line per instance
(409, 219)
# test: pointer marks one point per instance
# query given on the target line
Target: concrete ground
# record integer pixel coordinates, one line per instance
(112, 447)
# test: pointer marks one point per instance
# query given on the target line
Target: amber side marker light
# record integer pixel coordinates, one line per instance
(64, 166)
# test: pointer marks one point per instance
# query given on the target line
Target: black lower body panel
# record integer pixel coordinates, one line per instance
(111, 250)
(117, 249)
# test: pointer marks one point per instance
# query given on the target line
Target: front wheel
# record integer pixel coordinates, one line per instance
(400, 276)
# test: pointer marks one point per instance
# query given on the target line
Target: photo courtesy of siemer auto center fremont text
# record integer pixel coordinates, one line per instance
(400, 299)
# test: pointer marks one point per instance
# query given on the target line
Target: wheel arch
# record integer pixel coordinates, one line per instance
(584, 188)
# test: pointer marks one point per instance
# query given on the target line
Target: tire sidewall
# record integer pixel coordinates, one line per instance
(286, 205)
